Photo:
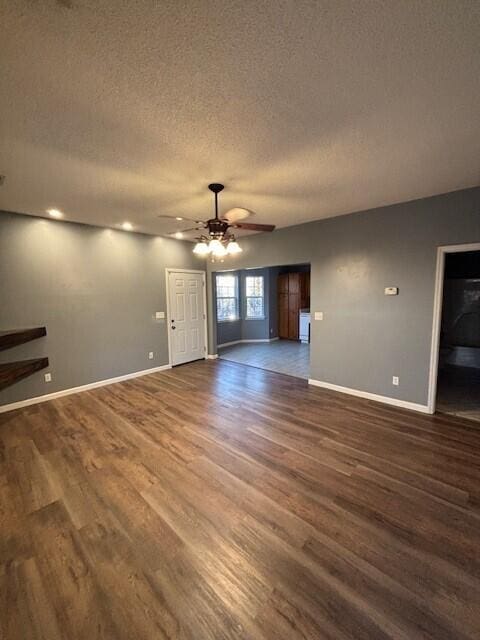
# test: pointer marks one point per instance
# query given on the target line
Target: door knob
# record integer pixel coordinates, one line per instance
(173, 327)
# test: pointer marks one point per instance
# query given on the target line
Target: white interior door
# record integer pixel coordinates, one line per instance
(186, 316)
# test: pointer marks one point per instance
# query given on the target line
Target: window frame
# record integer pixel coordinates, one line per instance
(262, 298)
(235, 297)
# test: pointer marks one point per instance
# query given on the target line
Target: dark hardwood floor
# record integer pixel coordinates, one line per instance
(221, 501)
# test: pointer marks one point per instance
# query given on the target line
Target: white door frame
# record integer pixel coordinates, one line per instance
(169, 270)
(437, 315)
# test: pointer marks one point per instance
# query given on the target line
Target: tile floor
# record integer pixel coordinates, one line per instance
(282, 356)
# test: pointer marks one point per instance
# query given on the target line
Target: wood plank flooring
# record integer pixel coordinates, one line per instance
(219, 501)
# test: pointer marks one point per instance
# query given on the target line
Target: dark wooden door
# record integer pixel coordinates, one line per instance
(283, 315)
(293, 295)
(289, 298)
(293, 317)
(305, 291)
(283, 306)
(293, 305)
(283, 283)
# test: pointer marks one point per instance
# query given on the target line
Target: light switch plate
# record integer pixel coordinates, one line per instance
(159, 315)
(318, 315)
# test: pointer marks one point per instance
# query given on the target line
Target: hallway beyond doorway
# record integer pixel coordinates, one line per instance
(459, 392)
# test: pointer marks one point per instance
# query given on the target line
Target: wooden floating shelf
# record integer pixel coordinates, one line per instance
(15, 337)
(12, 372)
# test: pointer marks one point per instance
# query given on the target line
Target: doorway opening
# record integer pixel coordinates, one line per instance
(458, 383)
(263, 318)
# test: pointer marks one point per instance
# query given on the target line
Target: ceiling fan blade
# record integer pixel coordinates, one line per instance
(236, 215)
(172, 233)
(182, 218)
(250, 226)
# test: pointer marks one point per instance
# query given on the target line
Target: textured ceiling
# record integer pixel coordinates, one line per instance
(126, 110)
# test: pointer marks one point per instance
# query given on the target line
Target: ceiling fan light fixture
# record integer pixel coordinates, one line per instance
(216, 248)
(221, 241)
(219, 253)
(233, 247)
(201, 249)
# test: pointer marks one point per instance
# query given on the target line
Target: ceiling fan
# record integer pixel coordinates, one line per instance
(220, 241)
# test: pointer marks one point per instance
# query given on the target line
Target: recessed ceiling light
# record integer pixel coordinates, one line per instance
(179, 235)
(178, 218)
(55, 213)
(127, 226)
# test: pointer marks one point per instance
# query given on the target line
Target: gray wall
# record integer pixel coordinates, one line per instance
(95, 289)
(367, 337)
(230, 331)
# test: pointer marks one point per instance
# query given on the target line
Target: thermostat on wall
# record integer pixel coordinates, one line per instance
(391, 291)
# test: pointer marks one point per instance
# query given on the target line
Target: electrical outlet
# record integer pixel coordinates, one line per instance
(150, 355)
(395, 381)
(48, 377)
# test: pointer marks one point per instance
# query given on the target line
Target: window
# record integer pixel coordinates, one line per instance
(227, 298)
(254, 297)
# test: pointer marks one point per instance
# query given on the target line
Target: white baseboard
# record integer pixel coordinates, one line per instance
(229, 344)
(84, 387)
(422, 408)
(212, 356)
